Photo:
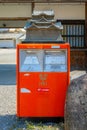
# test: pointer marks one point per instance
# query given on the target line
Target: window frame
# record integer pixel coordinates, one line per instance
(74, 22)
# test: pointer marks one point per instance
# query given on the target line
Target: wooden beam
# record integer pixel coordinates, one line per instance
(14, 18)
(32, 6)
(42, 1)
(86, 24)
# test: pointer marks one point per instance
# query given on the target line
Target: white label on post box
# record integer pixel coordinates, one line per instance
(24, 90)
(55, 47)
(26, 74)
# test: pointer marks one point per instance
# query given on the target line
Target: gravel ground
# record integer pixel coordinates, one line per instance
(7, 107)
(8, 119)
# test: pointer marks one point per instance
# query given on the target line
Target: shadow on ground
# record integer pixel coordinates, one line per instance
(7, 74)
(12, 122)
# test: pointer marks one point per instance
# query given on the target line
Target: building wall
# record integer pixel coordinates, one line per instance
(9, 13)
(15, 10)
(64, 10)
(13, 15)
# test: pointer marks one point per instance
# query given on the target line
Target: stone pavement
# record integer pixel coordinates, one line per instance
(76, 73)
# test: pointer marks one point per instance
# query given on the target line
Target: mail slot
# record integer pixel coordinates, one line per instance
(43, 72)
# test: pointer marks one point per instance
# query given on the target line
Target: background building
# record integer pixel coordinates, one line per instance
(72, 14)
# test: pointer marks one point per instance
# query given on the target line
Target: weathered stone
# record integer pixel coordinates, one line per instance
(76, 105)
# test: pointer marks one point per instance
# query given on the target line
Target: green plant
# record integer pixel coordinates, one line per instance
(29, 125)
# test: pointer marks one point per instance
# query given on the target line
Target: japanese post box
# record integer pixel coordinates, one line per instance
(42, 79)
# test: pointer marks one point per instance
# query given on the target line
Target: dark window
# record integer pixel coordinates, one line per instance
(74, 32)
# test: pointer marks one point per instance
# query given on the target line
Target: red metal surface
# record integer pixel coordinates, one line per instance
(44, 99)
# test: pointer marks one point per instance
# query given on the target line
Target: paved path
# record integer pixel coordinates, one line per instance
(7, 66)
(7, 76)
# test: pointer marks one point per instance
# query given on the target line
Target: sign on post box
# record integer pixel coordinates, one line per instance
(42, 79)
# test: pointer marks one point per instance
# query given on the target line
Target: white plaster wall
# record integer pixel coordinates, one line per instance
(64, 10)
(15, 10)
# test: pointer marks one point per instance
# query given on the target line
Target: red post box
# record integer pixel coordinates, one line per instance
(43, 74)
